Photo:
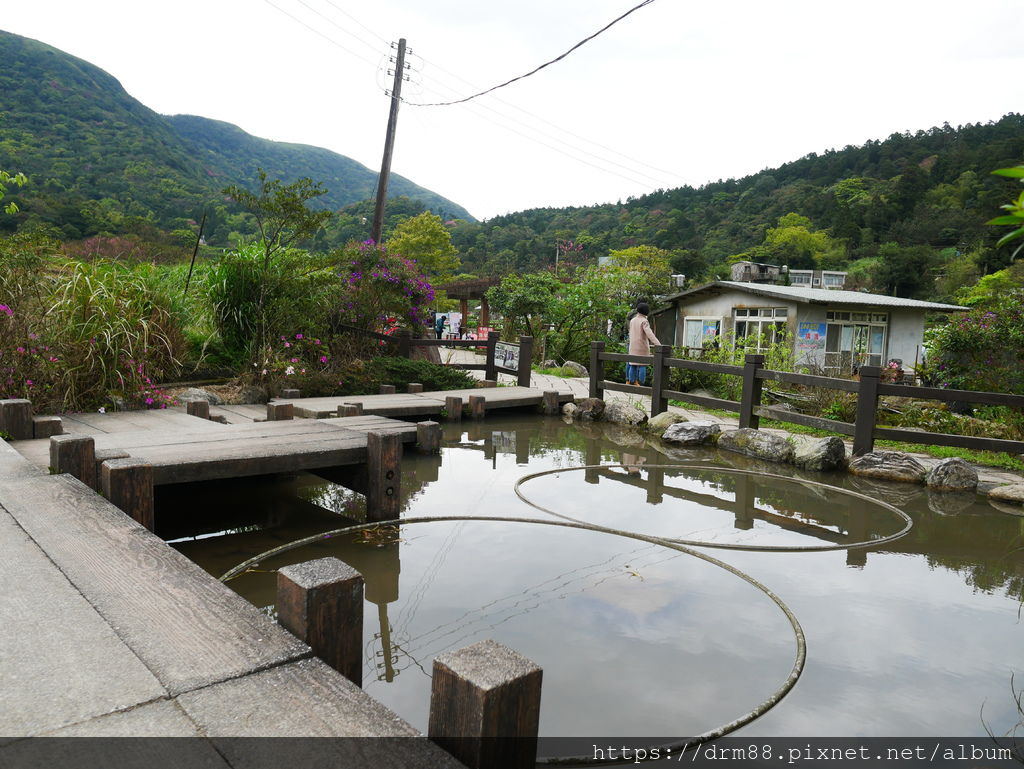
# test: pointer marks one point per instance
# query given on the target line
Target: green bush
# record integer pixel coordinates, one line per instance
(75, 334)
(256, 299)
(401, 371)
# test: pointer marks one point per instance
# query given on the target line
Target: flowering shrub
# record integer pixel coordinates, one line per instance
(27, 364)
(377, 286)
(138, 389)
(297, 361)
(982, 349)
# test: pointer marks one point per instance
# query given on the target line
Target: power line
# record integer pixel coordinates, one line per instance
(542, 66)
(670, 174)
(568, 154)
(335, 24)
(359, 23)
(329, 39)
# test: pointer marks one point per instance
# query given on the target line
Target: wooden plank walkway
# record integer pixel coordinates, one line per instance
(205, 450)
(421, 404)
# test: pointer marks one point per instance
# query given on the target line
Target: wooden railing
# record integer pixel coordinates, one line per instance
(863, 430)
(404, 343)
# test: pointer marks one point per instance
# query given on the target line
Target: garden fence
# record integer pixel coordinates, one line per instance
(864, 429)
(404, 343)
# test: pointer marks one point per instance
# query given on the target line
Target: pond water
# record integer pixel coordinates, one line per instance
(917, 636)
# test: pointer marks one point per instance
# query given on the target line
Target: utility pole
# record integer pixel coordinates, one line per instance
(389, 144)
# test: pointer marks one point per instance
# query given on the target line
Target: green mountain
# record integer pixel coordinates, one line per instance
(100, 161)
(901, 213)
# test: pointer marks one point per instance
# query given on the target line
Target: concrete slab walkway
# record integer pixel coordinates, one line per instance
(108, 631)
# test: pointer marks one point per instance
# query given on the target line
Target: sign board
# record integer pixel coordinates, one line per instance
(506, 356)
(810, 336)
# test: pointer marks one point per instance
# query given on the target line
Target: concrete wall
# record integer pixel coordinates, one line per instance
(906, 336)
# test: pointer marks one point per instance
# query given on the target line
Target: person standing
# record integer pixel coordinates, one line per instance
(641, 337)
(439, 325)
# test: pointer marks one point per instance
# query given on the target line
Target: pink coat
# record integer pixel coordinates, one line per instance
(640, 336)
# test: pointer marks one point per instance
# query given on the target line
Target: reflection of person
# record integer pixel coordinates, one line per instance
(640, 339)
(439, 325)
(632, 462)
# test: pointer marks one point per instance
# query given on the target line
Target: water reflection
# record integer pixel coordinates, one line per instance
(787, 513)
(912, 640)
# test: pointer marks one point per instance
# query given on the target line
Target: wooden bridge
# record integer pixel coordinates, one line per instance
(346, 439)
(110, 631)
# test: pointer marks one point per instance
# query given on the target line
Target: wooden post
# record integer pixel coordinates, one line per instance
(592, 456)
(491, 372)
(102, 455)
(596, 370)
(199, 409)
(751, 391)
(404, 343)
(485, 706)
(386, 389)
(428, 437)
(453, 407)
(525, 361)
(16, 418)
(74, 454)
(550, 402)
(659, 403)
(128, 484)
(489, 383)
(350, 409)
(477, 406)
(655, 485)
(383, 476)
(45, 427)
(290, 394)
(321, 602)
(415, 387)
(867, 404)
(277, 412)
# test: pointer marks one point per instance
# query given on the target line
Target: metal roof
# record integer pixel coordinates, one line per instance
(817, 296)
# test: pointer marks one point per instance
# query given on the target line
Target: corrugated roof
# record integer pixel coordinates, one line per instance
(820, 296)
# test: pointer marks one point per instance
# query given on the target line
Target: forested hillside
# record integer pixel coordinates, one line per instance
(898, 213)
(99, 161)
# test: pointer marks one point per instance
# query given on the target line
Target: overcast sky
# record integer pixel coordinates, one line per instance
(679, 92)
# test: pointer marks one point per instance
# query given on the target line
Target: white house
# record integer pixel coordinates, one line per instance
(832, 331)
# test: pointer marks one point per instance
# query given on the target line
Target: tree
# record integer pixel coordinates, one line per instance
(641, 272)
(905, 270)
(280, 211)
(8, 178)
(1015, 209)
(793, 243)
(424, 240)
(525, 299)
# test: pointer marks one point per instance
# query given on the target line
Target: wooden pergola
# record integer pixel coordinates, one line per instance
(464, 290)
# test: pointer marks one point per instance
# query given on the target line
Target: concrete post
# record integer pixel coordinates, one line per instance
(321, 602)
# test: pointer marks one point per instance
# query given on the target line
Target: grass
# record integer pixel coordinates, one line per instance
(561, 371)
(986, 458)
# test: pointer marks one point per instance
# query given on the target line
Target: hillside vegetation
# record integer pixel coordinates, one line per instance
(905, 215)
(100, 162)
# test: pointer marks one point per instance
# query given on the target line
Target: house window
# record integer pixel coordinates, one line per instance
(854, 339)
(699, 330)
(755, 330)
(833, 281)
